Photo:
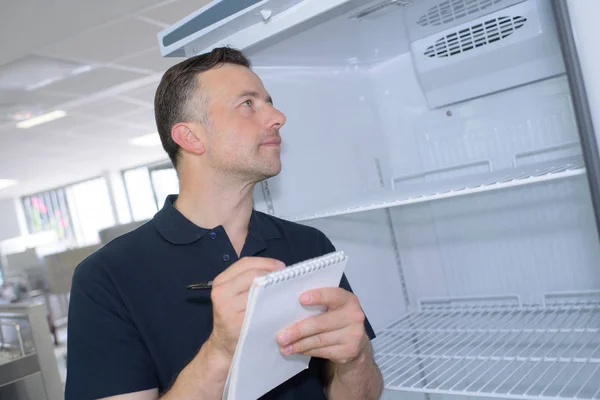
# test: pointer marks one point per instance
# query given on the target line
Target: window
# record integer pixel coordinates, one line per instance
(164, 182)
(140, 194)
(75, 213)
(148, 187)
(91, 210)
(48, 211)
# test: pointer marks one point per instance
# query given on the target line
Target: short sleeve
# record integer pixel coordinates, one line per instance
(328, 248)
(105, 353)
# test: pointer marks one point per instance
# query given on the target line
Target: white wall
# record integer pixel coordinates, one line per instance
(528, 241)
(330, 141)
(9, 223)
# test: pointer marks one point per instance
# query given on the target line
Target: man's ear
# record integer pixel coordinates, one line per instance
(189, 137)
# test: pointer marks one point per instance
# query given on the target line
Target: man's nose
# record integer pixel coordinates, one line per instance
(277, 119)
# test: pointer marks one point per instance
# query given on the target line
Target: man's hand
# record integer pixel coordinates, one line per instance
(229, 295)
(337, 335)
(204, 377)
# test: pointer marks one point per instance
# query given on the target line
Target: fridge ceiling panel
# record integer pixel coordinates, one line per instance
(505, 49)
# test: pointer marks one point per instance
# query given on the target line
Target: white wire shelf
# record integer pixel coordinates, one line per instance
(7, 356)
(512, 351)
(443, 189)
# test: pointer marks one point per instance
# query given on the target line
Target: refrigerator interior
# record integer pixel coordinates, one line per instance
(469, 227)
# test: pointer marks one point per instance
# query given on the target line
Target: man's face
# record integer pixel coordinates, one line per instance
(242, 132)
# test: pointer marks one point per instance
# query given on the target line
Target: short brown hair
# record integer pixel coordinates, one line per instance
(175, 93)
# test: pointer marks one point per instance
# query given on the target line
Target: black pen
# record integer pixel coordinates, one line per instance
(201, 285)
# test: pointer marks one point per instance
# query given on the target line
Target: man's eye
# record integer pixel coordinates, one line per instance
(247, 103)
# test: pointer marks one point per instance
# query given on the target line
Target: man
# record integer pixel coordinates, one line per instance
(136, 333)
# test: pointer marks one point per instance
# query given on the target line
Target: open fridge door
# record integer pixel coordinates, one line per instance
(578, 27)
(479, 221)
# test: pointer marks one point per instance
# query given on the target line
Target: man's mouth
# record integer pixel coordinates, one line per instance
(272, 142)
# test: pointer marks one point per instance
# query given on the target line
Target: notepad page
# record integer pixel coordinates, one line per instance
(258, 364)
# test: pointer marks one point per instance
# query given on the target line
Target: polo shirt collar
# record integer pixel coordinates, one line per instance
(174, 227)
(177, 229)
(263, 227)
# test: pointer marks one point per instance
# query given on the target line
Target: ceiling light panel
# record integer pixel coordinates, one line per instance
(42, 119)
(34, 72)
(68, 123)
(22, 83)
(22, 105)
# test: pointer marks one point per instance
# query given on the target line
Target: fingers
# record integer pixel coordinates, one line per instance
(236, 289)
(314, 342)
(247, 263)
(329, 353)
(242, 282)
(326, 322)
(339, 354)
(333, 298)
(338, 334)
(339, 346)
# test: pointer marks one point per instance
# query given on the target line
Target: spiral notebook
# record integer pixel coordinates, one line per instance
(274, 304)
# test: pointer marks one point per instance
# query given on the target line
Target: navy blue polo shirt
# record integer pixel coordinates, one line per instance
(133, 325)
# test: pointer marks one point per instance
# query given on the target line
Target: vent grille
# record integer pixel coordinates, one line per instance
(450, 10)
(475, 36)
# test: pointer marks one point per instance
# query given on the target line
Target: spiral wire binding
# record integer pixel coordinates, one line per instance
(304, 268)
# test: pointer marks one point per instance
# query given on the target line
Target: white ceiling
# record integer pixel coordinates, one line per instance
(107, 106)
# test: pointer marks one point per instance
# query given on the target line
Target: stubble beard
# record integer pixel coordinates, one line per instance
(249, 167)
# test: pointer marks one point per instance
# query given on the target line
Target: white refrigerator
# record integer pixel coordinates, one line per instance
(448, 147)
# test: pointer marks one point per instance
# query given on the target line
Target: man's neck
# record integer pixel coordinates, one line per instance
(214, 201)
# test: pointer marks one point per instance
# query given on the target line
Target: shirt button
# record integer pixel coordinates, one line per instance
(213, 235)
(225, 257)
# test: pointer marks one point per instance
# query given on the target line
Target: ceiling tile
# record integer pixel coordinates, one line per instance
(9, 140)
(144, 119)
(109, 132)
(130, 6)
(94, 81)
(97, 130)
(24, 152)
(145, 93)
(105, 44)
(39, 142)
(44, 99)
(28, 25)
(107, 108)
(173, 12)
(150, 59)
